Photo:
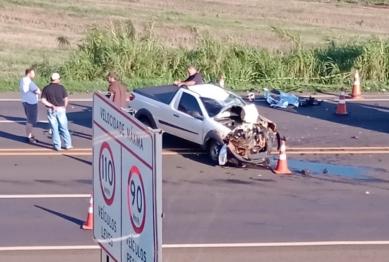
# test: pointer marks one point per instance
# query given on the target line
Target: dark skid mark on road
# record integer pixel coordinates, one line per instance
(169, 182)
(263, 180)
(14, 182)
(69, 218)
(79, 159)
(65, 183)
(234, 181)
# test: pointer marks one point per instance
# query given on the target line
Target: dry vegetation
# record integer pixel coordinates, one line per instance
(34, 31)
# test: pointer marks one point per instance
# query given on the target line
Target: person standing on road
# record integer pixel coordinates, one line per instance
(116, 90)
(29, 93)
(55, 98)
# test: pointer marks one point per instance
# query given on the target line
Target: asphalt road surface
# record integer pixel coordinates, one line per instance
(205, 204)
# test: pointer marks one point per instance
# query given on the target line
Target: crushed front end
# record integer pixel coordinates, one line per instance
(250, 143)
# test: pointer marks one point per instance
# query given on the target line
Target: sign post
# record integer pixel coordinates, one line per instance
(127, 185)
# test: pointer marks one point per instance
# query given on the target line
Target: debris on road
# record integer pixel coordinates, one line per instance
(284, 100)
(306, 172)
(281, 100)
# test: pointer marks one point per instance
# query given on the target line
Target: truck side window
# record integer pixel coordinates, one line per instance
(188, 103)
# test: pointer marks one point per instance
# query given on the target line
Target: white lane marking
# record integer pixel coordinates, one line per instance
(44, 196)
(20, 121)
(72, 100)
(279, 244)
(37, 248)
(221, 245)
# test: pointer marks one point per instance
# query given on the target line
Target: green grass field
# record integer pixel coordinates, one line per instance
(301, 45)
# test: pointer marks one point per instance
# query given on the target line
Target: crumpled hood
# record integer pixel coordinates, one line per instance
(250, 115)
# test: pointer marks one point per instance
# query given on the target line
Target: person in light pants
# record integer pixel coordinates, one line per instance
(55, 98)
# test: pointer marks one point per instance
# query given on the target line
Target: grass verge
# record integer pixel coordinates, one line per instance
(142, 60)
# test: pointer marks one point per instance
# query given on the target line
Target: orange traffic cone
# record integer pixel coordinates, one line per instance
(282, 164)
(341, 109)
(88, 225)
(357, 93)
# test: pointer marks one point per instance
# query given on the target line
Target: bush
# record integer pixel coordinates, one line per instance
(146, 61)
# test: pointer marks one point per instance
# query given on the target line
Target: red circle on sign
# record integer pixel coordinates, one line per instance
(135, 171)
(107, 200)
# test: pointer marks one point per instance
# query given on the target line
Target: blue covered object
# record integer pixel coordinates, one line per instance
(281, 100)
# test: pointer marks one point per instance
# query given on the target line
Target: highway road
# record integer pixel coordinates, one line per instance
(45, 196)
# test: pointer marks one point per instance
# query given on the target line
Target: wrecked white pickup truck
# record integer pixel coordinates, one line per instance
(208, 115)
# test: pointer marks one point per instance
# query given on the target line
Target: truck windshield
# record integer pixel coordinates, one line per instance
(214, 107)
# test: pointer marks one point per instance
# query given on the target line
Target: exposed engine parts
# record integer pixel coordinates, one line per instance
(247, 140)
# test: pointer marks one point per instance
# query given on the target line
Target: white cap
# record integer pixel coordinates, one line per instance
(55, 76)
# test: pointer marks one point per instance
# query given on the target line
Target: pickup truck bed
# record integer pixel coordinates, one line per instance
(163, 94)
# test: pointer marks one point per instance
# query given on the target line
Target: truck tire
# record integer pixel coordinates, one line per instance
(213, 150)
(145, 121)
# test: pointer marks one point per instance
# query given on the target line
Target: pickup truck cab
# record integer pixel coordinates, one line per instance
(202, 114)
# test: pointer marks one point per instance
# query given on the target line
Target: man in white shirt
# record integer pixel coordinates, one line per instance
(29, 92)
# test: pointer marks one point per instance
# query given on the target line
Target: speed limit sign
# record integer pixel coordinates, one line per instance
(107, 173)
(127, 185)
(136, 200)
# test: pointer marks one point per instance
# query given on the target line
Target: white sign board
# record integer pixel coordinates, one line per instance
(105, 257)
(127, 185)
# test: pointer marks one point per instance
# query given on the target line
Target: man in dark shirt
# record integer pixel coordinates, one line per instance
(193, 79)
(55, 98)
(117, 91)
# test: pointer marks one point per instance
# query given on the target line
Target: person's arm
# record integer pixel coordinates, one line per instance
(45, 102)
(34, 88)
(192, 80)
(65, 96)
(187, 83)
(111, 91)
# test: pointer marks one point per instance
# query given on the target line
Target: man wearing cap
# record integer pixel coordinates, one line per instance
(55, 98)
(116, 90)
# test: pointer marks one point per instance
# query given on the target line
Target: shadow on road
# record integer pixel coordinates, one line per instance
(79, 159)
(81, 118)
(68, 218)
(22, 139)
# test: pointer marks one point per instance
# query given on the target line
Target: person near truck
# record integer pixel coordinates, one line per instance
(194, 78)
(29, 94)
(116, 91)
(55, 98)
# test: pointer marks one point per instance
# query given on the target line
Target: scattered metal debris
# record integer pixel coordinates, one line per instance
(280, 99)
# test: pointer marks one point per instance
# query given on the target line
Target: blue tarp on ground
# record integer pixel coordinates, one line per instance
(281, 100)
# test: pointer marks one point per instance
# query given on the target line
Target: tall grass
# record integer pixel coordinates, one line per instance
(141, 60)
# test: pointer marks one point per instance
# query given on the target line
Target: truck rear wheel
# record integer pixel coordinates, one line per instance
(145, 121)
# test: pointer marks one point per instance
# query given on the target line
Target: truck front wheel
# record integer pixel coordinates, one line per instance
(213, 150)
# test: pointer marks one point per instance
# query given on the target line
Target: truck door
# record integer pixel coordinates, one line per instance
(187, 118)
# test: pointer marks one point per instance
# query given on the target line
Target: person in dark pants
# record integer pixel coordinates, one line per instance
(194, 78)
(29, 92)
(55, 98)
